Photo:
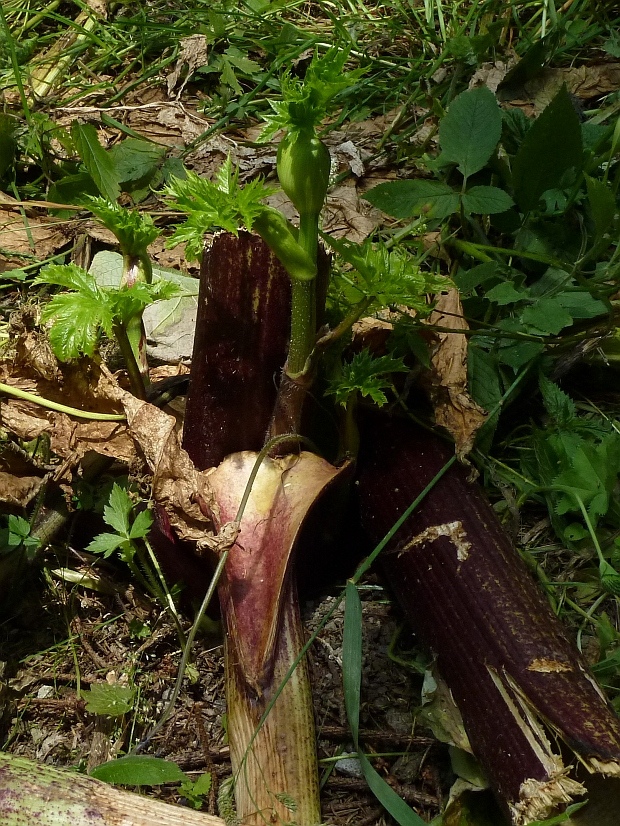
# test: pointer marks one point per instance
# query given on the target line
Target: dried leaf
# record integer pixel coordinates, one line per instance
(454, 408)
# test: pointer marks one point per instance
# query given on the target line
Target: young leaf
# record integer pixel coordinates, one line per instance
(77, 319)
(305, 104)
(105, 544)
(470, 130)
(404, 199)
(139, 770)
(141, 525)
(221, 204)
(610, 578)
(390, 277)
(98, 163)
(486, 200)
(116, 512)
(550, 148)
(367, 376)
(109, 700)
(134, 230)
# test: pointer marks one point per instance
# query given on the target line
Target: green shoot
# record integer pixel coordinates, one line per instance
(81, 314)
(219, 204)
(129, 539)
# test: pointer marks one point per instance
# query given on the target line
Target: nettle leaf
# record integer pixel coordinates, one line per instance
(367, 376)
(592, 474)
(76, 320)
(470, 130)
(486, 200)
(135, 159)
(97, 161)
(551, 147)
(109, 700)
(558, 404)
(547, 316)
(404, 199)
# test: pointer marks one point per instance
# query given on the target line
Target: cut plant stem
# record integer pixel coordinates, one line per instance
(525, 695)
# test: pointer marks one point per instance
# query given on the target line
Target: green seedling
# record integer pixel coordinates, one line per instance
(80, 315)
(130, 540)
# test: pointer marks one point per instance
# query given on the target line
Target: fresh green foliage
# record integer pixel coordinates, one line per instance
(118, 515)
(139, 770)
(109, 700)
(368, 376)
(78, 317)
(304, 104)
(17, 536)
(219, 204)
(470, 131)
(542, 160)
(386, 277)
(574, 458)
(468, 135)
(134, 230)
(98, 163)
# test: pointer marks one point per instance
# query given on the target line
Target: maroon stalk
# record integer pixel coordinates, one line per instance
(520, 685)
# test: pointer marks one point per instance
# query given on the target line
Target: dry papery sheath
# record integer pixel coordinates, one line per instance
(535, 717)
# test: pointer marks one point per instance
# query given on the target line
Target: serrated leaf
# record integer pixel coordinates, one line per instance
(134, 230)
(109, 700)
(550, 148)
(483, 376)
(505, 293)
(367, 376)
(486, 200)
(141, 525)
(582, 304)
(203, 785)
(135, 159)
(404, 199)
(470, 130)
(468, 280)
(69, 276)
(98, 163)
(77, 319)
(559, 405)
(610, 578)
(116, 512)
(547, 316)
(140, 770)
(105, 544)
